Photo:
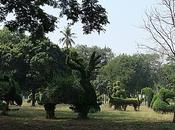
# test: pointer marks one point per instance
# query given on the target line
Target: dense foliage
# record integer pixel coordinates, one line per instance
(148, 93)
(30, 16)
(121, 104)
(162, 101)
(8, 93)
(63, 89)
(32, 64)
(133, 72)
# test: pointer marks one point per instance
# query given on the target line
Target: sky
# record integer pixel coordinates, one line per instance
(122, 35)
(124, 32)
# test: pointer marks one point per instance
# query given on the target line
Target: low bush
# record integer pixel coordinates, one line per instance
(121, 104)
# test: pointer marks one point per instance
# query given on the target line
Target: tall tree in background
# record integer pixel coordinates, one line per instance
(160, 24)
(85, 52)
(133, 72)
(166, 75)
(30, 16)
(67, 39)
(32, 64)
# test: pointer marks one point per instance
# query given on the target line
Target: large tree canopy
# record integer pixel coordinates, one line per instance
(30, 16)
(85, 52)
(134, 72)
(32, 64)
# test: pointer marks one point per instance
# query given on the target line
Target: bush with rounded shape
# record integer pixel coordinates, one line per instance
(159, 105)
(165, 94)
(160, 101)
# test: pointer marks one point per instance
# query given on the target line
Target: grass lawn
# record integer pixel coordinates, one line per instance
(33, 118)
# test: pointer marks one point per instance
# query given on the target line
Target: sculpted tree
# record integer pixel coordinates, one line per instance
(89, 98)
(162, 102)
(30, 16)
(8, 94)
(62, 89)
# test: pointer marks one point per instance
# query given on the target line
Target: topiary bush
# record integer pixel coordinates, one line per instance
(148, 92)
(61, 90)
(160, 101)
(8, 94)
(160, 105)
(121, 104)
(153, 99)
(81, 96)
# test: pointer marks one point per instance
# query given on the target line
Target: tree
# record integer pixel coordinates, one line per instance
(85, 52)
(160, 24)
(67, 37)
(31, 64)
(166, 75)
(31, 17)
(133, 72)
(8, 37)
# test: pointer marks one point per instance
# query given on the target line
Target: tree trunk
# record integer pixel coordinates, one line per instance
(83, 115)
(174, 118)
(4, 109)
(83, 111)
(33, 97)
(50, 110)
(50, 114)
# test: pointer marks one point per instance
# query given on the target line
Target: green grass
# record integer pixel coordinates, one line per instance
(33, 118)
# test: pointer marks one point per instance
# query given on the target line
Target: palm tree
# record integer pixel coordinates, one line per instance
(67, 38)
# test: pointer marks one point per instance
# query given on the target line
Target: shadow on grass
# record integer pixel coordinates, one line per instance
(8, 123)
(34, 119)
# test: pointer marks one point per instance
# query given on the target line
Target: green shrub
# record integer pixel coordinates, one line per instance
(154, 99)
(165, 93)
(159, 105)
(120, 103)
(8, 93)
(148, 92)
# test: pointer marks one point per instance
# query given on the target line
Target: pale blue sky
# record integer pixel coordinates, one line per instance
(122, 34)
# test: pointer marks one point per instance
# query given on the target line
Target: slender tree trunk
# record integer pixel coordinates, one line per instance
(174, 118)
(33, 97)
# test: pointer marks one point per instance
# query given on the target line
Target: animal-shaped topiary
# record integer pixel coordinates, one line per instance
(83, 98)
(8, 94)
(161, 101)
(121, 104)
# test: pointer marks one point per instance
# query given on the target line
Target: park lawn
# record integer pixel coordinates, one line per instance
(33, 118)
